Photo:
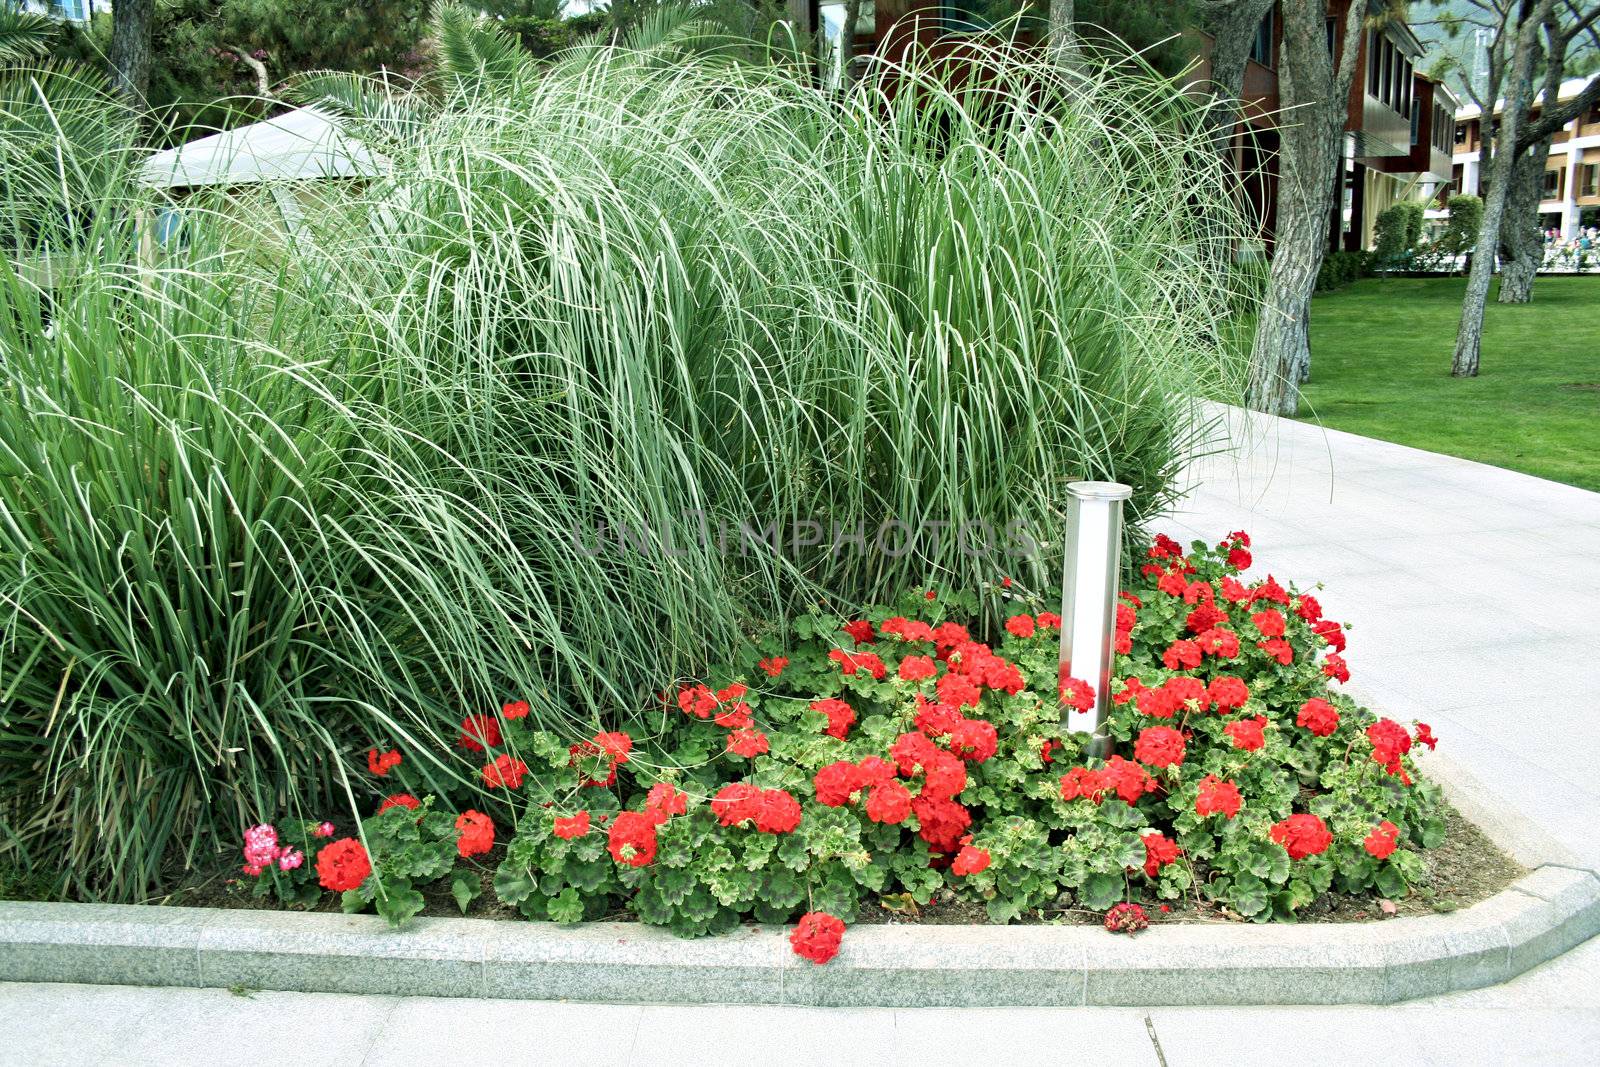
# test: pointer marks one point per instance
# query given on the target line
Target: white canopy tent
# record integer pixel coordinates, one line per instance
(298, 145)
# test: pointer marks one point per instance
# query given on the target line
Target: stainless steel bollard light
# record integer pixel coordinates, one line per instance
(1089, 598)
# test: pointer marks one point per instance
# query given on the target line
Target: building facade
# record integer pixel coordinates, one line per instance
(1571, 199)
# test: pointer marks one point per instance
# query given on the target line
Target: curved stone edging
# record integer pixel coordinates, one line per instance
(1545, 913)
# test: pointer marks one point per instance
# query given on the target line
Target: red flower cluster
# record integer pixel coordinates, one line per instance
(664, 801)
(505, 772)
(841, 716)
(573, 826)
(381, 763)
(1318, 716)
(773, 811)
(1124, 778)
(1383, 840)
(1302, 836)
(399, 800)
(1389, 742)
(970, 860)
(1159, 746)
(1247, 734)
(860, 632)
(479, 732)
(1217, 797)
(747, 742)
(516, 709)
(1159, 850)
(851, 662)
(632, 840)
(599, 756)
(475, 834)
(343, 865)
(817, 936)
(773, 665)
(1076, 693)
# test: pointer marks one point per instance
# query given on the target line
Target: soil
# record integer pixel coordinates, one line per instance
(1463, 870)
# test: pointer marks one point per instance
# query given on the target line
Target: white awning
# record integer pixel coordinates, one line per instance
(301, 144)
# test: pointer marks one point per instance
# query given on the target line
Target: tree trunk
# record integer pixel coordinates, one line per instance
(847, 40)
(1233, 30)
(131, 23)
(1313, 96)
(1064, 32)
(1469, 334)
(1521, 244)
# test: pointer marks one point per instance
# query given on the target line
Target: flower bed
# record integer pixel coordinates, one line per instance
(892, 754)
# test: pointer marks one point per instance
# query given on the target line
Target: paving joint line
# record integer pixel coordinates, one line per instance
(1155, 1041)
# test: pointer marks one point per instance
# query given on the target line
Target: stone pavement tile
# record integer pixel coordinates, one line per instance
(442, 1031)
(1022, 1037)
(1312, 1037)
(47, 1024)
(1545, 673)
(769, 1036)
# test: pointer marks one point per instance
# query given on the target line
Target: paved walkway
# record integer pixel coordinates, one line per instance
(1476, 595)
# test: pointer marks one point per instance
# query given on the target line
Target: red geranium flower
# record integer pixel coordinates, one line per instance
(1021, 625)
(343, 865)
(1247, 734)
(1217, 797)
(840, 716)
(697, 700)
(773, 665)
(735, 803)
(1077, 693)
(617, 745)
(1128, 779)
(906, 629)
(381, 763)
(399, 800)
(666, 800)
(1307, 608)
(816, 936)
(747, 742)
(860, 632)
(1425, 736)
(1383, 840)
(942, 822)
(476, 833)
(836, 783)
(1049, 620)
(1224, 644)
(1302, 836)
(1334, 667)
(1181, 655)
(733, 716)
(505, 772)
(1081, 782)
(974, 740)
(1227, 693)
(889, 802)
(572, 826)
(479, 732)
(1389, 742)
(916, 668)
(777, 812)
(1270, 622)
(850, 663)
(1159, 746)
(1331, 632)
(516, 709)
(632, 839)
(1277, 649)
(970, 860)
(1159, 851)
(1318, 716)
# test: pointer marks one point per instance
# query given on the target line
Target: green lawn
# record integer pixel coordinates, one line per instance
(1380, 366)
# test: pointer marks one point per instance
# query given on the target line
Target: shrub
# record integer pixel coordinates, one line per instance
(899, 757)
(1397, 230)
(268, 498)
(1339, 269)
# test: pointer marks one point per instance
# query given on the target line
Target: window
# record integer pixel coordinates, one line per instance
(1416, 126)
(1461, 133)
(975, 16)
(1261, 47)
(1373, 52)
(1552, 184)
(1591, 179)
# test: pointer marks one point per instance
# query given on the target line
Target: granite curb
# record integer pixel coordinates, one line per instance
(1553, 908)
(1543, 914)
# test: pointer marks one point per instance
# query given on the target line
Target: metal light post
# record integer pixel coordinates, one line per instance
(1089, 598)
